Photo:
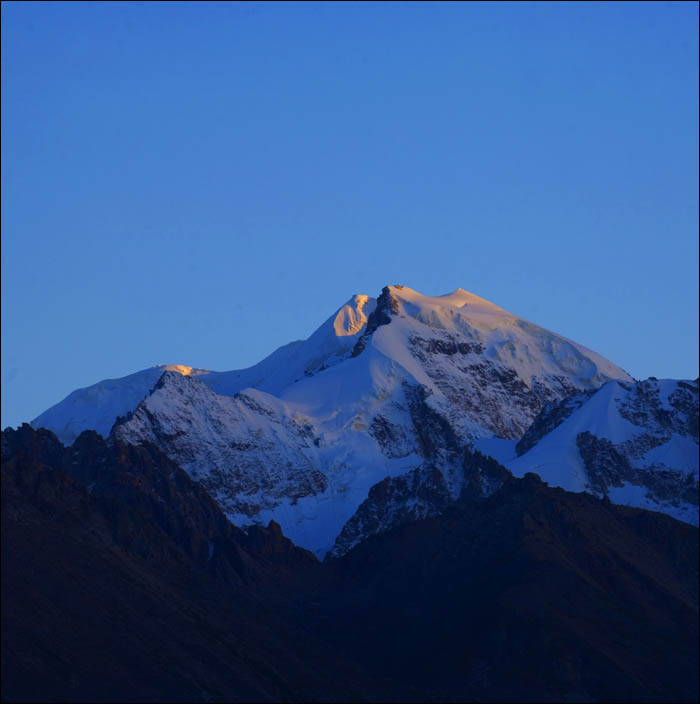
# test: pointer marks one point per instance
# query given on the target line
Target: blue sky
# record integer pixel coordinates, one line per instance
(201, 183)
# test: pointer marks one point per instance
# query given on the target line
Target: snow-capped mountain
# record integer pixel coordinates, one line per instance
(386, 388)
(96, 407)
(636, 443)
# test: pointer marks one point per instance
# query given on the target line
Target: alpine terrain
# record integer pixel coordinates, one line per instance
(389, 413)
(122, 580)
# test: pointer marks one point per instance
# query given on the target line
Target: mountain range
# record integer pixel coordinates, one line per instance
(430, 499)
(363, 426)
(122, 580)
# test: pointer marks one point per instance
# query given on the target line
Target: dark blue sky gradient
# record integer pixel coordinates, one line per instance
(201, 183)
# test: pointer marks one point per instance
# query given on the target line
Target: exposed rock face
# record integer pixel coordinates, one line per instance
(485, 392)
(605, 465)
(662, 412)
(394, 440)
(247, 450)
(608, 465)
(394, 501)
(426, 491)
(636, 443)
(551, 416)
(386, 306)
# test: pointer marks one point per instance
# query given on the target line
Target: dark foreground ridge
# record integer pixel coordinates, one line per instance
(123, 581)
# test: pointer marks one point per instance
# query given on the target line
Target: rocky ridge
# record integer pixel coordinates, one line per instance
(635, 443)
(122, 580)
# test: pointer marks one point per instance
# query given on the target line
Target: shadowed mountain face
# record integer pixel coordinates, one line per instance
(122, 580)
(531, 594)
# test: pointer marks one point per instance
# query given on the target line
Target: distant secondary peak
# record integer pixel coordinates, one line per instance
(181, 368)
(184, 369)
(177, 376)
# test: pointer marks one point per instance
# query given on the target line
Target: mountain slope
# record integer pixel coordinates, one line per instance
(456, 363)
(98, 406)
(531, 594)
(123, 581)
(636, 443)
(428, 337)
(334, 415)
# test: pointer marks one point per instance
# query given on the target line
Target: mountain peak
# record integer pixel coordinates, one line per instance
(183, 369)
(456, 299)
(351, 318)
(383, 387)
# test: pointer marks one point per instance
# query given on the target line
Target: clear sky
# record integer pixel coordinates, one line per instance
(200, 183)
